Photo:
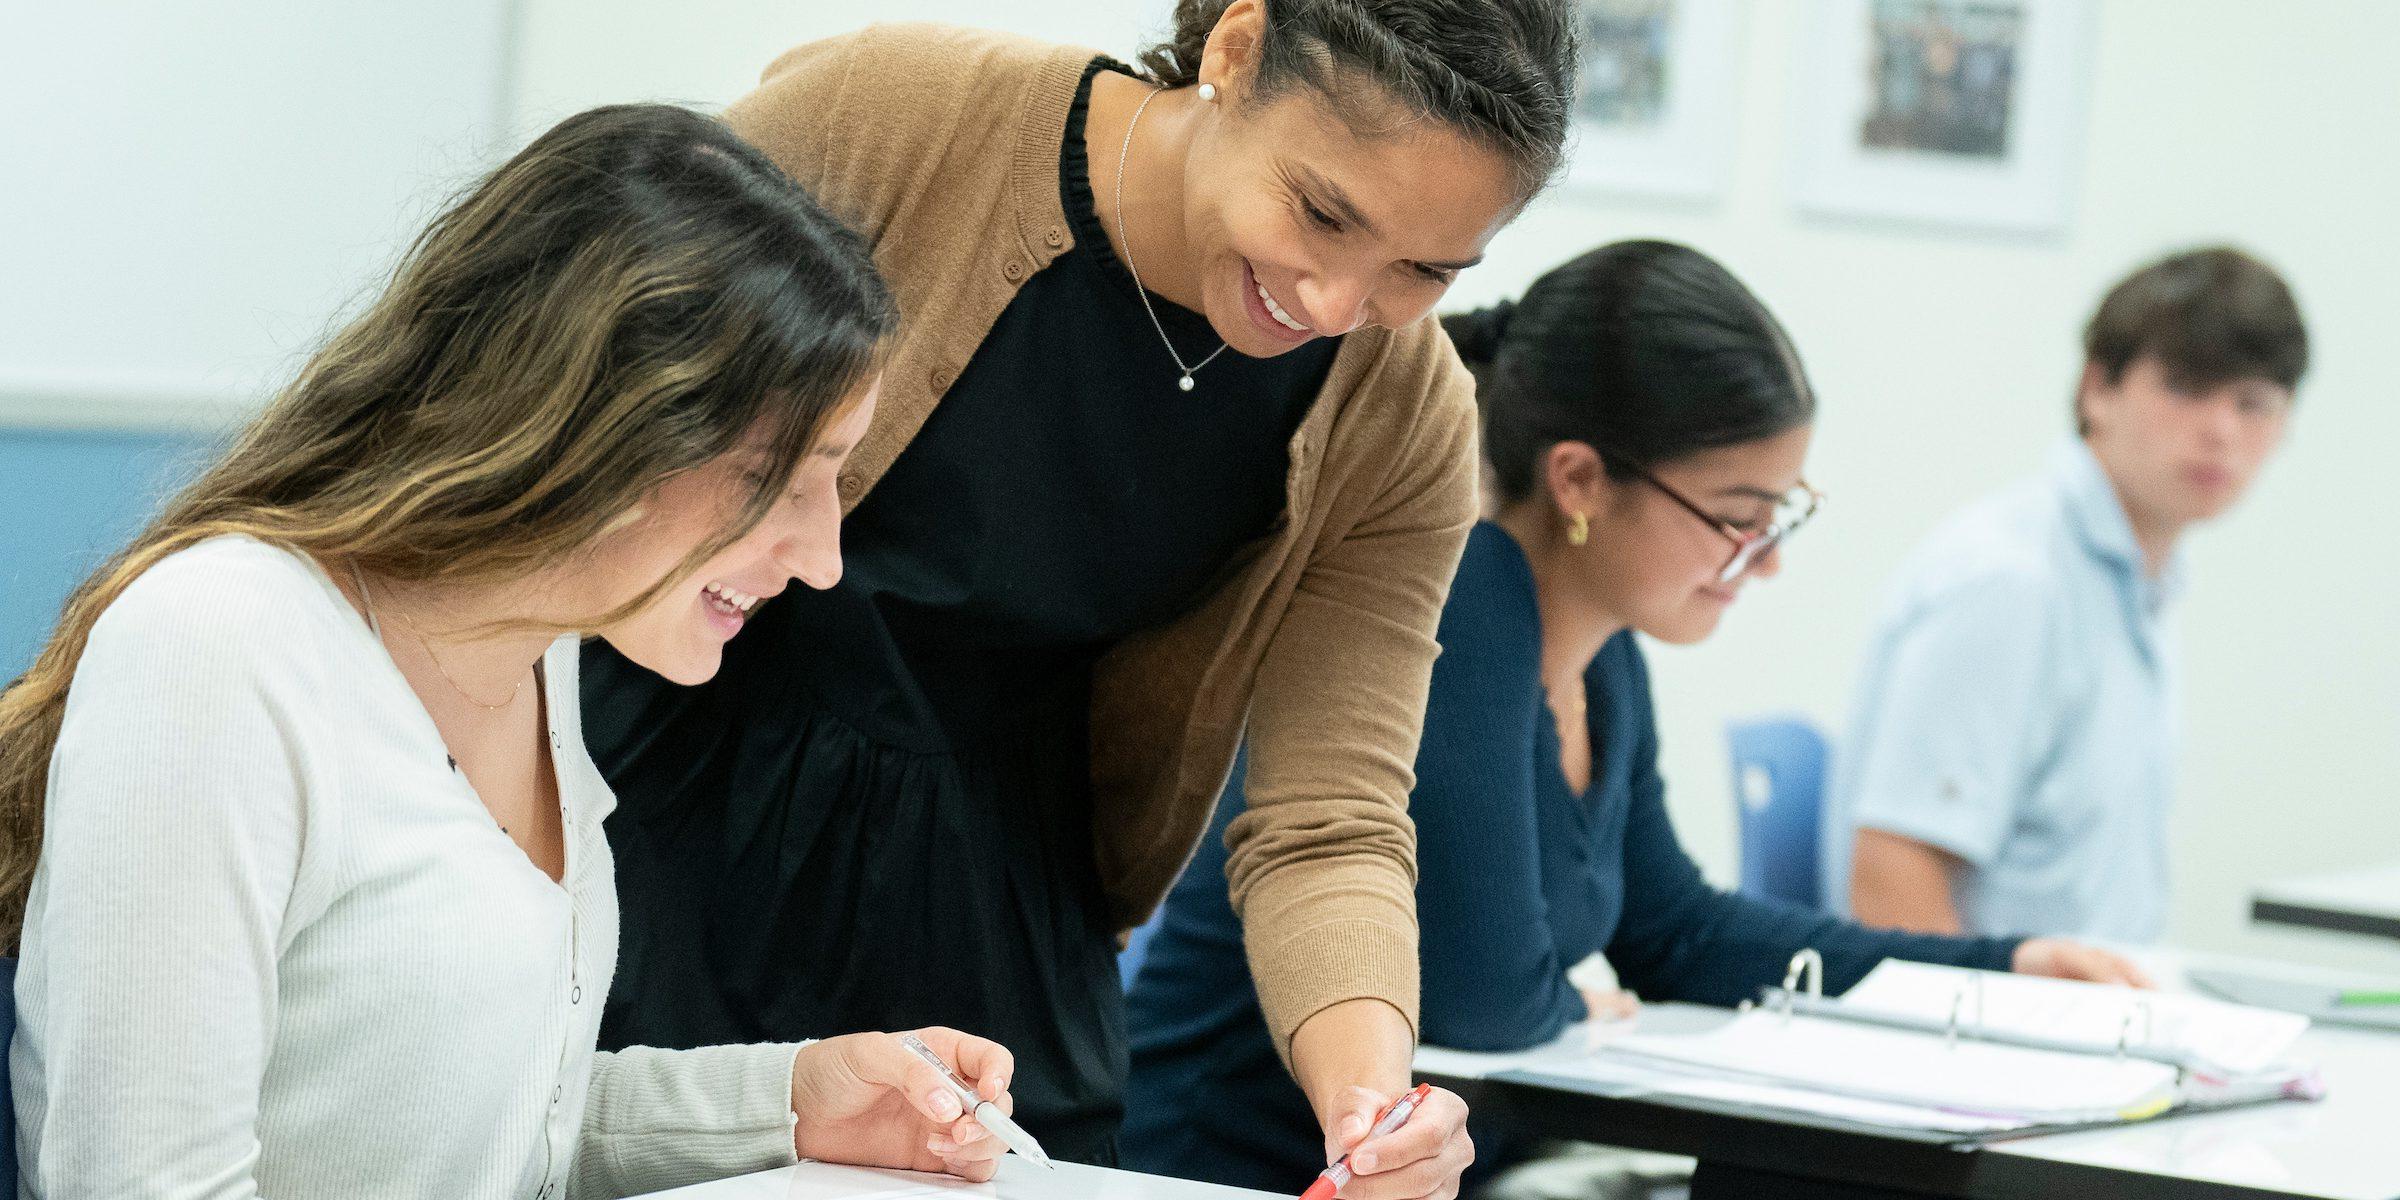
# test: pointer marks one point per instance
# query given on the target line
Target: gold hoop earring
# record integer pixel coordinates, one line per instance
(1579, 529)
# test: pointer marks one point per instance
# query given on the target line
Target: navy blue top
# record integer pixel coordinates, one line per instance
(1519, 878)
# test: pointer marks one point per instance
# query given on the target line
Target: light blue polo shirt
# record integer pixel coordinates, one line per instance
(2016, 708)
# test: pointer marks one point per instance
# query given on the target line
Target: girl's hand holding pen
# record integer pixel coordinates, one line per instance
(870, 1100)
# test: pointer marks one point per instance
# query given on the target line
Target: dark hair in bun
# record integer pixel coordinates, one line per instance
(1645, 351)
(1478, 334)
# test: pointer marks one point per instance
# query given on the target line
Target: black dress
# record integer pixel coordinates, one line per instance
(879, 814)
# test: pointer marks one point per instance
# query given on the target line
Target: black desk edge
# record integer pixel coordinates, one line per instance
(2278, 912)
(1822, 1152)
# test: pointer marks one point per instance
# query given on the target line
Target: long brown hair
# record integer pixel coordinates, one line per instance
(626, 299)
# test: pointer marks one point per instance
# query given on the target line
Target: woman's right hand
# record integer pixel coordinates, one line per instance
(1610, 1004)
(864, 1099)
(1424, 1159)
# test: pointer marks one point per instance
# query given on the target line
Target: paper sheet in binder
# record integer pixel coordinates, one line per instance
(1632, 1075)
(2211, 1037)
(2013, 1085)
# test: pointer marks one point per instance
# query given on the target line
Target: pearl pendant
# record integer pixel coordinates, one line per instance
(1184, 383)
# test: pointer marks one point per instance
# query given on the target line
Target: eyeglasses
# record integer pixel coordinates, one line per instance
(1792, 510)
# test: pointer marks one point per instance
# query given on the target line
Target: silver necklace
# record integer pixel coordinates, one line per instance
(1189, 370)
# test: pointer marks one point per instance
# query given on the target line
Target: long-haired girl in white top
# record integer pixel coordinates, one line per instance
(296, 823)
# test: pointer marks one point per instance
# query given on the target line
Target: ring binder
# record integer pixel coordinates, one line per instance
(1807, 964)
(2134, 1031)
(1968, 1055)
(1958, 1004)
(2125, 1042)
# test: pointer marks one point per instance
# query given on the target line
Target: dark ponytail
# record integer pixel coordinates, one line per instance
(1502, 72)
(1478, 334)
(1645, 351)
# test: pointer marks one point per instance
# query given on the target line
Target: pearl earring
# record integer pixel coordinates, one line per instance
(1208, 93)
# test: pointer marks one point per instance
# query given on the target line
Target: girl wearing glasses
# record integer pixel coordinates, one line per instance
(1646, 419)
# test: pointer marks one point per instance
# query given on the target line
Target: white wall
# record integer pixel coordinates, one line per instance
(188, 193)
(1944, 360)
(584, 52)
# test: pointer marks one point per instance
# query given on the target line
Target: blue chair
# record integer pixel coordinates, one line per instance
(1779, 794)
(1137, 947)
(8, 1098)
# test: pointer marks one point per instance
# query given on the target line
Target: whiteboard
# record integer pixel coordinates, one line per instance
(190, 193)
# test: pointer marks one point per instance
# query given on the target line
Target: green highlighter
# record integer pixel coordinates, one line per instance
(2368, 999)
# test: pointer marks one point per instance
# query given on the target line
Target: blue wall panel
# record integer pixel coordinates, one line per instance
(67, 501)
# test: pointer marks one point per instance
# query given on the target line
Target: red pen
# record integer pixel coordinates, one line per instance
(1393, 1117)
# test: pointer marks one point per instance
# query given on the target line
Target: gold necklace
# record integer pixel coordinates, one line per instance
(426, 644)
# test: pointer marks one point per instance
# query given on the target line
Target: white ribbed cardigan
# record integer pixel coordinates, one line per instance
(277, 947)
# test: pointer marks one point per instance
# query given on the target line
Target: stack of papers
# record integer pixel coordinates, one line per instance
(1989, 1081)
(1633, 1075)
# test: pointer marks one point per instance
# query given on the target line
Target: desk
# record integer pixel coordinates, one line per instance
(1018, 1180)
(2346, 1147)
(2365, 902)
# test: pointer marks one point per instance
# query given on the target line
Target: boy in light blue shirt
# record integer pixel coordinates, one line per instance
(2009, 766)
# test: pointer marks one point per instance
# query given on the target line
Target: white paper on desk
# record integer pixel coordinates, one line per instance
(832, 1181)
(1875, 1063)
(2231, 1038)
(829, 1181)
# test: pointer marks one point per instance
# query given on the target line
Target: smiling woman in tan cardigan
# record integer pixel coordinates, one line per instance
(1101, 532)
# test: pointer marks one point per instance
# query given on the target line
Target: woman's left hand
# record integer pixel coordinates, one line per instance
(2059, 958)
(1610, 1005)
(1421, 1160)
(864, 1099)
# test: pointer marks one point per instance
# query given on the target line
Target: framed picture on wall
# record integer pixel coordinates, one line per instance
(1967, 113)
(1654, 97)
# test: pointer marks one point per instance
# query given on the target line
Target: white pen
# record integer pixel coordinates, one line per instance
(986, 1113)
(1393, 1117)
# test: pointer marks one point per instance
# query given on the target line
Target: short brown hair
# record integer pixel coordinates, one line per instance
(2210, 316)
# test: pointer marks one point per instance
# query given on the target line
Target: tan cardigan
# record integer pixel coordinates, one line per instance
(941, 145)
